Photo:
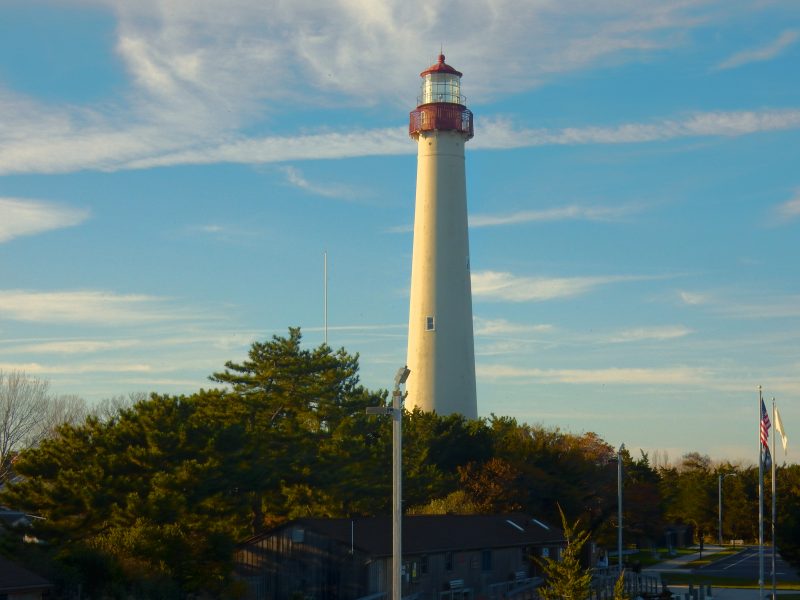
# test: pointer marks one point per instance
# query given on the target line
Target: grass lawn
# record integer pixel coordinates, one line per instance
(710, 558)
(687, 578)
(647, 558)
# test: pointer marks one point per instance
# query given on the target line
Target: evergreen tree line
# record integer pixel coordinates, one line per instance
(151, 500)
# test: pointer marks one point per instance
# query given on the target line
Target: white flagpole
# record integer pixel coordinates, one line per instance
(774, 505)
(760, 503)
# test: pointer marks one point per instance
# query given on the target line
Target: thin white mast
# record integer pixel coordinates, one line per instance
(760, 502)
(774, 505)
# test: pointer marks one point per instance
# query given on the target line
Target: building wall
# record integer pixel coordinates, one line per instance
(299, 561)
(429, 574)
(28, 595)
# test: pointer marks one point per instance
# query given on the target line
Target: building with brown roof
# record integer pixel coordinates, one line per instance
(17, 583)
(444, 556)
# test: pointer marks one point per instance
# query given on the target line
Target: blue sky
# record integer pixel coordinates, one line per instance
(172, 172)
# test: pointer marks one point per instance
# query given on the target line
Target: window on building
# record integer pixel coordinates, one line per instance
(448, 561)
(423, 565)
(410, 572)
(486, 560)
(429, 325)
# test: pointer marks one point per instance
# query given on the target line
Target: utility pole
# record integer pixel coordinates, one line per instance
(396, 412)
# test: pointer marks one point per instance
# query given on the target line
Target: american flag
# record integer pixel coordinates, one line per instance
(765, 425)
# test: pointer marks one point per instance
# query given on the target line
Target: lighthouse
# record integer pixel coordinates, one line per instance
(441, 353)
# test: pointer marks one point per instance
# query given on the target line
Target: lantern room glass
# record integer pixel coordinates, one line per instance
(441, 87)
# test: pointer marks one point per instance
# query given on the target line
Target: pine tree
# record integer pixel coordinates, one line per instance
(619, 588)
(566, 579)
(160, 493)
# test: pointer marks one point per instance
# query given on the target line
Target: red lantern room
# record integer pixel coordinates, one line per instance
(440, 106)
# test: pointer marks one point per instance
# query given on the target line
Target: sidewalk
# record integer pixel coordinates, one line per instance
(678, 563)
(679, 591)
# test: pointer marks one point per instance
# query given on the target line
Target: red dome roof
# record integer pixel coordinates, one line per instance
(440, 67)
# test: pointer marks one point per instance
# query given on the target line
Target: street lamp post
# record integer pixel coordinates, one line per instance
(619, 507)
(396, 412)
(721, 477)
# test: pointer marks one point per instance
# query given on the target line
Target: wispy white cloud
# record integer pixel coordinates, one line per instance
(789, 209)
(622, 376)
(502, 133)
(499, 135)
(743, 304)
(562, 213)
(295, 177)
(66, 139)
(223, 232)
(768, 52)
(639, 334)
(693, 298)
(276, 149)
(361, 327)
(513, 336)
(64, 155)
(180, 386)
(203, 73)
(218, 54)
(20, 216)
(767, 306)
(503, 347)
(72, 347)
(495, 285)
(35, 368)
(500, 337)
(211, 229)
(489, 327)
(559, 213)
(86, 306)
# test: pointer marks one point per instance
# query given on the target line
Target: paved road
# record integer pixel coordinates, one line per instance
(745, 565)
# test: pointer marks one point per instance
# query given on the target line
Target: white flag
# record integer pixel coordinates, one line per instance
(779, 429)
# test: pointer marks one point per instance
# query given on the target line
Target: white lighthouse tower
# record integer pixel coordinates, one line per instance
(441, 354)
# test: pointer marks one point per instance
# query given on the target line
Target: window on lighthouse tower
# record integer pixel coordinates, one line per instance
(441, 87)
